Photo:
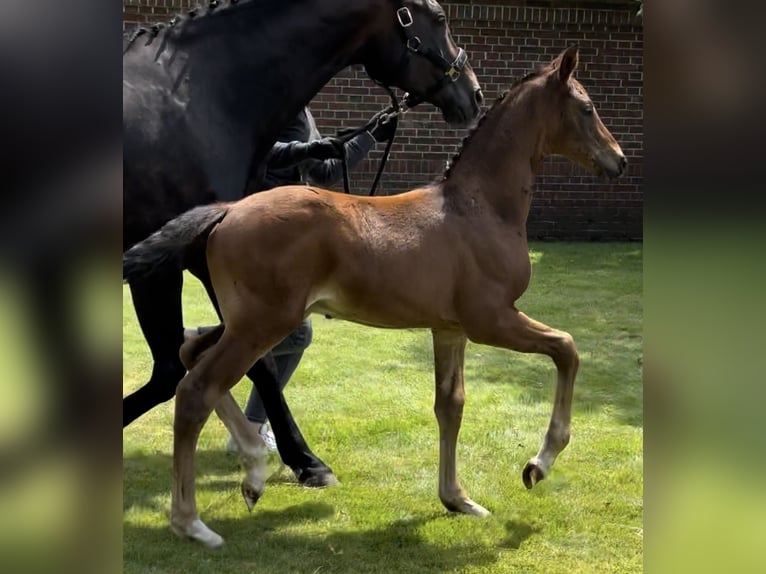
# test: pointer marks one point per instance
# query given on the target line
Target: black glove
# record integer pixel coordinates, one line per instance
(382, 131)
(326, 148)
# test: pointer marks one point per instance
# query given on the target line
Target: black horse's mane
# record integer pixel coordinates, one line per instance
(199, 11)
(501, 98)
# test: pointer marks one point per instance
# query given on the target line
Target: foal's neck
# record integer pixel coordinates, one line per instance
(499, 161)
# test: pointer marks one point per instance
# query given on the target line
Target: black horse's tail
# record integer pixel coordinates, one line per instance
(169, 245)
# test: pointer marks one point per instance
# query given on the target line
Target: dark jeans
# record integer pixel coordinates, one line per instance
(287, 355)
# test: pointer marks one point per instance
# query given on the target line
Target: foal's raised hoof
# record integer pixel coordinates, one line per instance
(532, 474)
(196, 530)
(251, 493)
(316, 478)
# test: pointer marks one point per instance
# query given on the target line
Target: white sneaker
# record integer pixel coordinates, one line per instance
(232, 447)
(268, 437)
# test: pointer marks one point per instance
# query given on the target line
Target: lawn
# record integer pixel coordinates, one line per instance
(364, 400)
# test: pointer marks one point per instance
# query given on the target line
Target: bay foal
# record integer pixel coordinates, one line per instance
(452, 257)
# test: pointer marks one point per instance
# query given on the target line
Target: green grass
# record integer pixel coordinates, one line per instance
(364, 400)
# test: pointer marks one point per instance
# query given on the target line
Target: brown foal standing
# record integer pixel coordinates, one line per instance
(451, 257)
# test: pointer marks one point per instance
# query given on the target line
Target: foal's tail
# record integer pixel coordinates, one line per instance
(169, 245)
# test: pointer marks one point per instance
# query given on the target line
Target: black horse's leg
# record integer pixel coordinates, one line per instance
(157, 301)
(292, 447)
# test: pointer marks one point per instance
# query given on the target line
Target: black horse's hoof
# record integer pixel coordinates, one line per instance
(317, 478)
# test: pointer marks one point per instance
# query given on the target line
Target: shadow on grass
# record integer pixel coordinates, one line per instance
(270, 540)
(153, 472)
(261, 545)
(518, 532)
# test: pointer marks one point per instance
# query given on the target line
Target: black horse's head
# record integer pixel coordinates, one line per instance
(412, 48)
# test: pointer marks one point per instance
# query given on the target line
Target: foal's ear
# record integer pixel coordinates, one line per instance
(567, 62)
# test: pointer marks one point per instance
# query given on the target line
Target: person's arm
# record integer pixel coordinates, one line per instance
(325, 173)
(287, 154)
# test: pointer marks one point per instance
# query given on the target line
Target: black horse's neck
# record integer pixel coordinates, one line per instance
(228, 55)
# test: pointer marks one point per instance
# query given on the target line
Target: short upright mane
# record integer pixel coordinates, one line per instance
(501, 98)
(199, 11)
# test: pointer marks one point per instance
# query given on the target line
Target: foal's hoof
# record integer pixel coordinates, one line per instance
(466, 506)
(251, 494)
(470, 507)
(196, 530)
(532, 474)
(313, 478)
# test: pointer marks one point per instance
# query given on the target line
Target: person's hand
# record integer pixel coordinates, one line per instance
(382, 131)
(326, 148)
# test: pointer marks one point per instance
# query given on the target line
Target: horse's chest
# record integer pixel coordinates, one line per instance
(504, 262)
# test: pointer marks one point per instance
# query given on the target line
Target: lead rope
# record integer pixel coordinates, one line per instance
(390, 114)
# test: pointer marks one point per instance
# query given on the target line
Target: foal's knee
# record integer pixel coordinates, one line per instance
(449, 402)
(565, 351)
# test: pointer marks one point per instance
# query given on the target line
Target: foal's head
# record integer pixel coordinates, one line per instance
(412, 48)
(575, 130)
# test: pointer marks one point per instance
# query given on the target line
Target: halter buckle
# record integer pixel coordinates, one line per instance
(413, 44)
(404, 16)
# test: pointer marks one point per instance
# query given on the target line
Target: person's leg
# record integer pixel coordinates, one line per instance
(287, 354)
(255, 411)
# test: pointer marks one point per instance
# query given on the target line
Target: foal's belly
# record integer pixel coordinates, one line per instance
(377, 308)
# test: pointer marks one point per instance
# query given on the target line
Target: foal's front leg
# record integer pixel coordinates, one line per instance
(449, 357)
(514, 330)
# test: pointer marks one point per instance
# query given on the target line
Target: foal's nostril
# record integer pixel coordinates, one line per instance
(623, 163)
(479, 96)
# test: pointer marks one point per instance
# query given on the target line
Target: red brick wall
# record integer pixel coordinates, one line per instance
(505, 40)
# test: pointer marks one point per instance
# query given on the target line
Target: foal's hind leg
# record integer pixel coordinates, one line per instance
(252, 449)
(253, 452)
(216, 371)
(449, 356)
(308, 468)
(521, 333)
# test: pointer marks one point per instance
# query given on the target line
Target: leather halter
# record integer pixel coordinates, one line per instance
(414, 44)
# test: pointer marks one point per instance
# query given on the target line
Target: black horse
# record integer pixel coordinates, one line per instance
(205, 97)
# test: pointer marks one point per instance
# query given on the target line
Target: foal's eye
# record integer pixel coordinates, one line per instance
(441, 19)
(587, 110)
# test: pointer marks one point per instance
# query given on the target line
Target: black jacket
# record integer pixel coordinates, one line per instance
(288, 162)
